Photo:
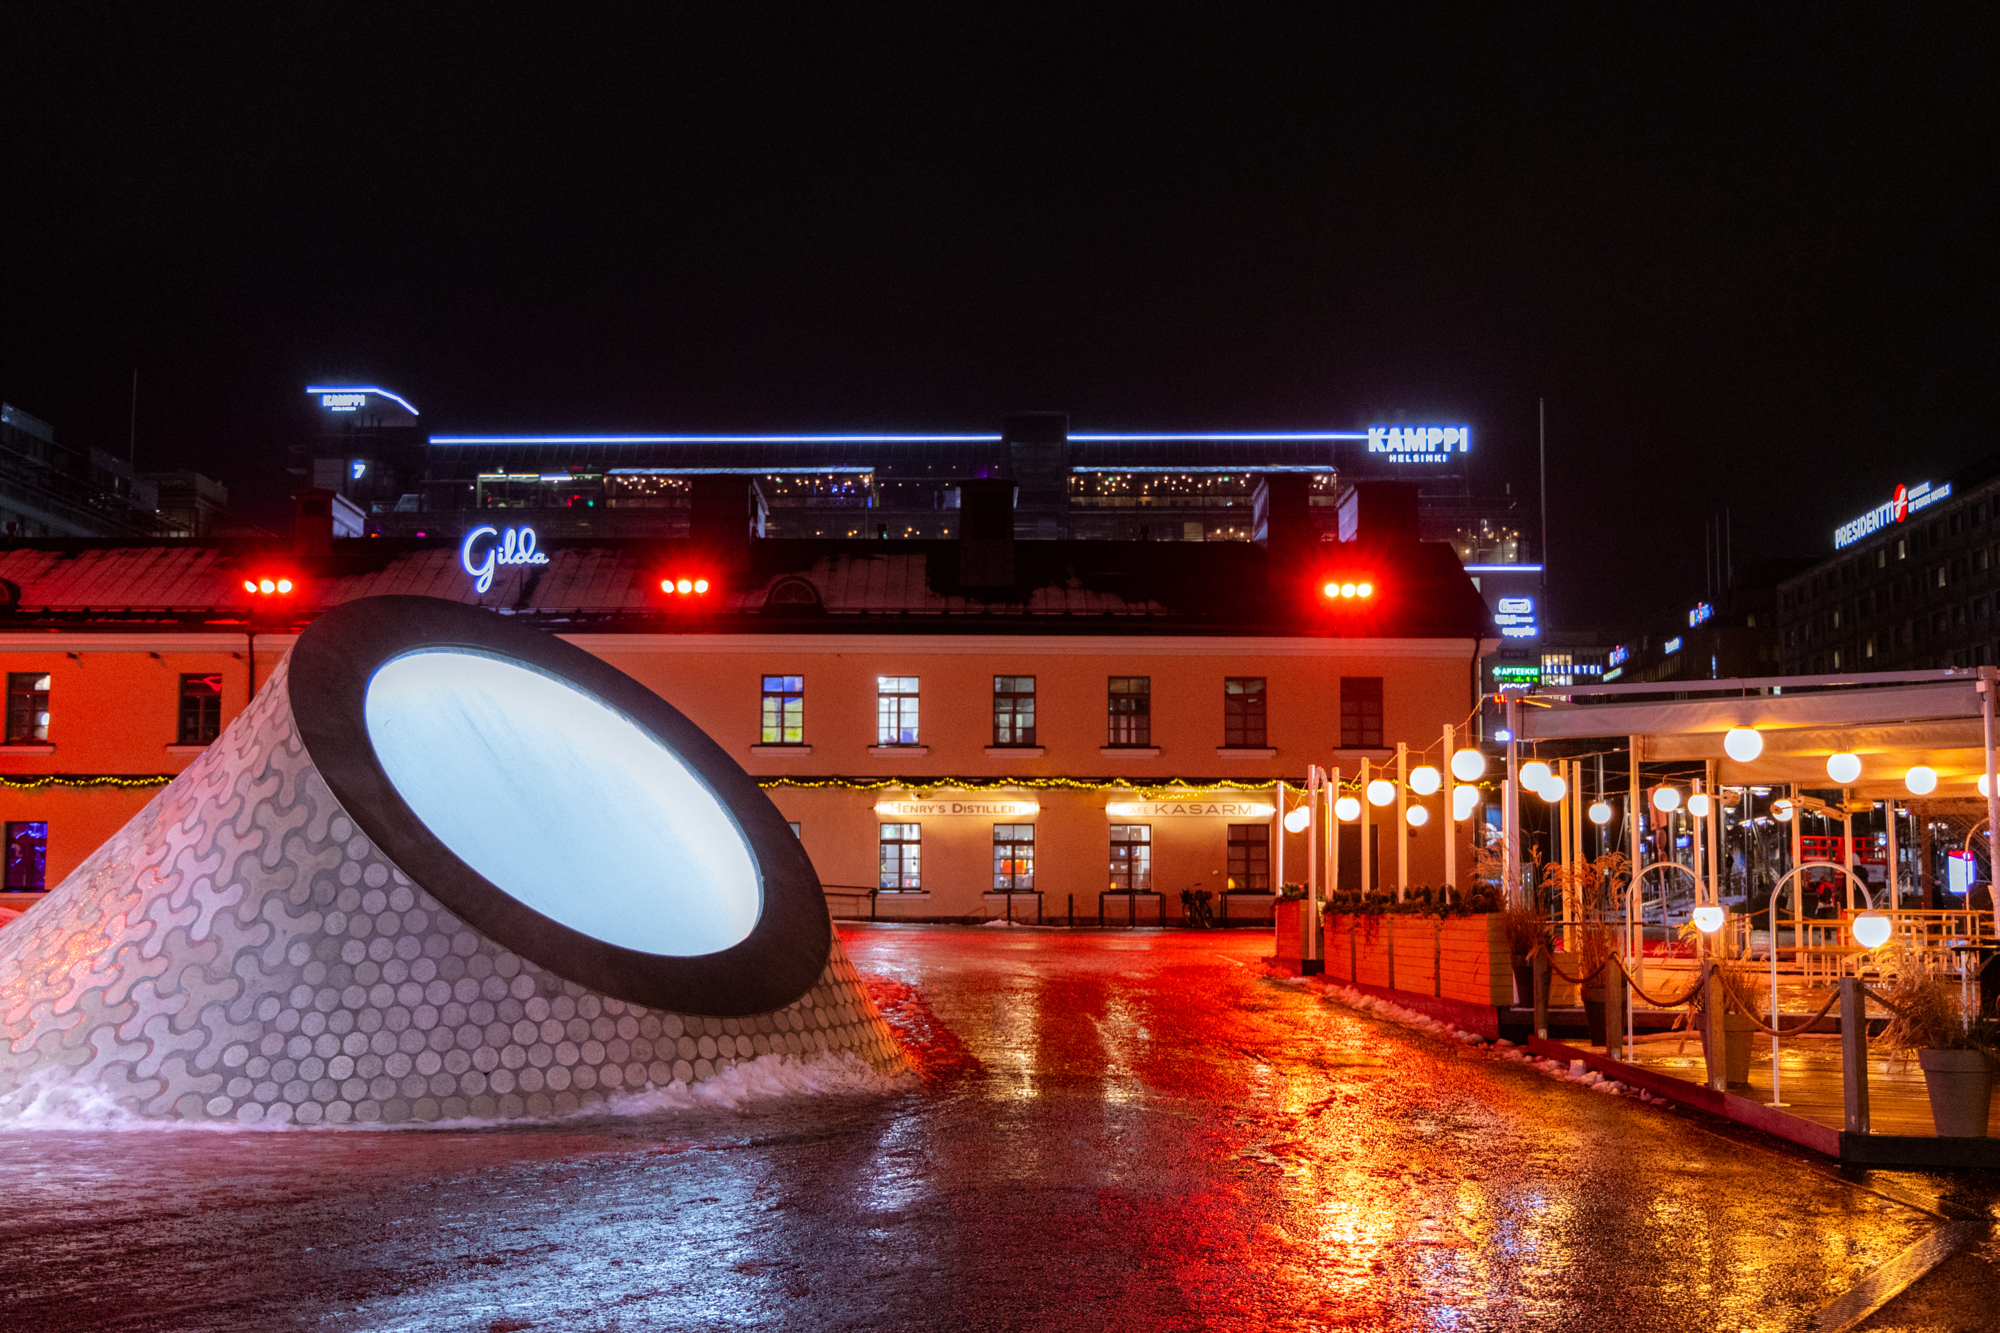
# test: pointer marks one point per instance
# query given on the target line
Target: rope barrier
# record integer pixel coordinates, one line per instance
(1729, 984)
(1695, 990)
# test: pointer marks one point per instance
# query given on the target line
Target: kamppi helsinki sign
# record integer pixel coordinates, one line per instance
(1419, 444)
(1906, 501)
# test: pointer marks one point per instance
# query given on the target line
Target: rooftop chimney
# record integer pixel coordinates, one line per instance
(986, 533)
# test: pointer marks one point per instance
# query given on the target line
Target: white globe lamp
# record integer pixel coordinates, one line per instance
(1872, 930)
(1468, 765)
(1554, 789)
(1699, 805)
(1742, 744)
(1666, 798)
(1920, 780)
(1381, 792)
(1347, 809)
(1424, 780)
(1600, 812)
(1417, 816)
(1534, 773)
(1843, 768)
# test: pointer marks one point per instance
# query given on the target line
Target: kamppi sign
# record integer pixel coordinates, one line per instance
(1419, 444)
(1906, 501)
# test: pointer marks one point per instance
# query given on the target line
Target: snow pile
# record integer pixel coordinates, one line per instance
(766, 1078)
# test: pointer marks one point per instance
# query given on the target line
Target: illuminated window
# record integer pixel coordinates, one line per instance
(895, 710)
(1250, 858)
(1013, 710)
(1360, 712)
(1013, 858)
(27, 857)
(902, 857)
(784, 710)
(1243, 712)
(27, 707)
(1131, 858)
(201, 708)
(1131, 708)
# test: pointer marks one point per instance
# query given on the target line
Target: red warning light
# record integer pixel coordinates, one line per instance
(1346, 589)
(684, 587)
(267, 587)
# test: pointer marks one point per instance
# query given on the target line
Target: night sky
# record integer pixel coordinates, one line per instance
(1748, 261)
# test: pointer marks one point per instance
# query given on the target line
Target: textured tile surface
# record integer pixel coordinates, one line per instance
(241, 951)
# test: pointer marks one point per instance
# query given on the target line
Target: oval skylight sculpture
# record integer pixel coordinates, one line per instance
(562, 802)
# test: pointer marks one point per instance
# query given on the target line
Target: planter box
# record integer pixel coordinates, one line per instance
(1473, 962)
(1289, 931)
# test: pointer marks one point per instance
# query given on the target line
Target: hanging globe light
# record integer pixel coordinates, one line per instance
(1920, 780)
(1699, 805)
(1424, 780)
(1708, 920)
(1843, 768)
(1600, 812)
(1553, 790)
(1347, 809)
(1782, 810)
(1872, 930)
(1464, 800)
(1742, 744)
(1468, 765)
(1666, 798)
(1533, 774)
(1417, 816)
(1381, 791)
(1297, 820)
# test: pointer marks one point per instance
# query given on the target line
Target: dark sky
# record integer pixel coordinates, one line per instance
(1749, 261)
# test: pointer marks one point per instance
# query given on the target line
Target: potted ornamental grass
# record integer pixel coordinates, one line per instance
(1955, 1052)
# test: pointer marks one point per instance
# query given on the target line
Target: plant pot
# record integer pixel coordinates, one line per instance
(1961, 1088)
(1593, 1014)
(1524, 983)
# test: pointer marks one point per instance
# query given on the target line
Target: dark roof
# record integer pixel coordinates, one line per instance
(820, 584)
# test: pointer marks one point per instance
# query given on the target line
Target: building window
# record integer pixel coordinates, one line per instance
(895, 710)
(1131, 711)
(1013, 710)
(1360, 712)
(902, 857)
(28, 707)
(784, 710)
(1250, 857)
(201, 708)
(1131, 858)
(1013, 858)
(1243, 712)
(27, 857)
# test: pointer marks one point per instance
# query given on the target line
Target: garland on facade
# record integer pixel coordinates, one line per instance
(119, 780)
(1176, 785)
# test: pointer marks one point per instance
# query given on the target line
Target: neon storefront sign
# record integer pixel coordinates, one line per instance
(515, 546)
(1419, 444)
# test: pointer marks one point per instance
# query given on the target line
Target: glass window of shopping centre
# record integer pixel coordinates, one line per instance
(784, 710)
(1131, 711)
(28, 707)
(1243, 712)
(1013, 710)
(896, 710)
(1013, 858)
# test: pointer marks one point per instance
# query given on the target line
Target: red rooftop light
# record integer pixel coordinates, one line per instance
(694, 587)
(266, 587)
(1345, 589)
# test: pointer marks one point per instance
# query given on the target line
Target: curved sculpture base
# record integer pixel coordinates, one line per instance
(240, 951)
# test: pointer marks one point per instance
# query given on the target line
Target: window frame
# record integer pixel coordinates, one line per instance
(792, 699)
(1355, 695)
(1022, 736)
(33, 716)
(41, 866)
(897, 714)
(1121, 836)
(1261, 841)
(1130, 727)
(1237, 713)
(908, 840)
(1017, 880)
(204, 722)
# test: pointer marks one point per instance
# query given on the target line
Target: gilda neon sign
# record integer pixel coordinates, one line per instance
(516, 546)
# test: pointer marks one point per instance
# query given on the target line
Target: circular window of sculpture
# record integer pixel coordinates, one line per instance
(558, 806)
(562, 802)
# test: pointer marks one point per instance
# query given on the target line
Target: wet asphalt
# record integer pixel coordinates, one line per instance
(1110, 1131)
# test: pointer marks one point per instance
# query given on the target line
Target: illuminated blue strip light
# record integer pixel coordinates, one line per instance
(1220, 436)
(364, 388)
